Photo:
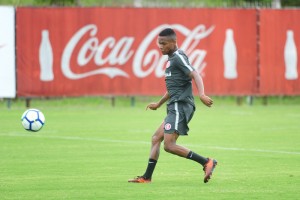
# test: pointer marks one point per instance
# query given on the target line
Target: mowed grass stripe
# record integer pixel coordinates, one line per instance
(146, 143)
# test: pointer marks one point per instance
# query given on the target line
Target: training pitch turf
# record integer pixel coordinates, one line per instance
(88, 150)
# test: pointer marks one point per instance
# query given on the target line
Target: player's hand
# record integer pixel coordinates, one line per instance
(152, 106)
(206, 100)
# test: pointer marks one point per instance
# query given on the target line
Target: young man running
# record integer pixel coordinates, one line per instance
(180, 108)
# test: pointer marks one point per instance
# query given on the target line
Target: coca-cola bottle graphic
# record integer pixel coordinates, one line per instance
(46, 58)
(290, 56)
(230, 56)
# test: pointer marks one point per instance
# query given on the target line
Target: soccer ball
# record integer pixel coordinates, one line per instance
(33, 120)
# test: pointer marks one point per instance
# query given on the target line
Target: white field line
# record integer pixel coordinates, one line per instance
(143, 142)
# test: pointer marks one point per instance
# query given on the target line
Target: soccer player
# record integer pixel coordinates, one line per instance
(180, 108)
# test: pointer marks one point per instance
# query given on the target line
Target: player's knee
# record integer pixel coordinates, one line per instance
(168, 147)
(156, 139)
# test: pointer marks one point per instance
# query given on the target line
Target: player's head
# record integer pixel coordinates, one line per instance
(168, 32)
(167, 41)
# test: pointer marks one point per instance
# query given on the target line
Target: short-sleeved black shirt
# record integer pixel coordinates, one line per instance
(178, 81)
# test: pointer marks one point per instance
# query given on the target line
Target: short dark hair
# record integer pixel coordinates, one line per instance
(168, 32)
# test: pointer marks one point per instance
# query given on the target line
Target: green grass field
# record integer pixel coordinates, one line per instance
(88, 150)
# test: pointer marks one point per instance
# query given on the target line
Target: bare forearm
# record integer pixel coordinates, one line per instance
(200, 86)
(199, 83)
(154, 106)
(163, 99)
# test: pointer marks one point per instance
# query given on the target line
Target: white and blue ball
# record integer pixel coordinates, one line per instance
(33, 120)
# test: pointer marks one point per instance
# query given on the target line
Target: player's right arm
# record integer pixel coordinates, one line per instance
(154, 106)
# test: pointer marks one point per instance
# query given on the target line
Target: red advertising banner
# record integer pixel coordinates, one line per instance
(279, 52)
(113, 51)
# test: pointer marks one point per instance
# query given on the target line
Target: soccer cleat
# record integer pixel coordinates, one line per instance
(139, 179)
(209, 168)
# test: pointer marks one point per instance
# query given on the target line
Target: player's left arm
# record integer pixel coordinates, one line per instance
(206, 100)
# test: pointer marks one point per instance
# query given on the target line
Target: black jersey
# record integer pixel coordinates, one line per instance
(178, 81)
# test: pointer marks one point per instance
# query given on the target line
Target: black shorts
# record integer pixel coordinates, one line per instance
(179, 115)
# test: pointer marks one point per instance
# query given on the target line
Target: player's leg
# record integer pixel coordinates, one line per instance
(176, 123)
(157, 138)
(171, 147)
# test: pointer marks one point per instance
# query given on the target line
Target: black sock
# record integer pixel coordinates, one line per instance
(195, 157)
(150, 168)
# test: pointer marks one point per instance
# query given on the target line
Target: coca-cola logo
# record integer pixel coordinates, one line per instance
(145, 60)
